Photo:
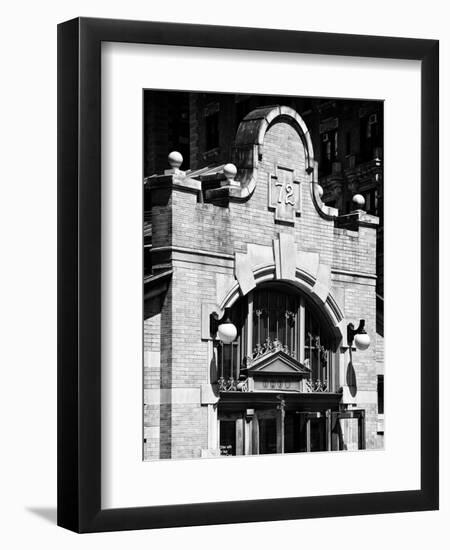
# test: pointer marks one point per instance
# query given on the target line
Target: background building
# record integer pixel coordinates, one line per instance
(290, 265)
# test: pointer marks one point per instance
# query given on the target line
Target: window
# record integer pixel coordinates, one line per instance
(317, 351)
(371, 198)
(348, 206)
(275, 317)
(277, 313)
(380, 393)
(328, 151)
(348, 143)
(212, 130)
(243, 107)
(370, 136)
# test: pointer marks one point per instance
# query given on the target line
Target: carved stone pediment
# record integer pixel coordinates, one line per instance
(277, 362)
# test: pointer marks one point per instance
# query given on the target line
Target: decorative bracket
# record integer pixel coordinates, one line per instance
(351, 331)
(215, 320)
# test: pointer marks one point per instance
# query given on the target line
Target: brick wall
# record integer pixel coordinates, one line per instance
(174, 332)
(152, 380)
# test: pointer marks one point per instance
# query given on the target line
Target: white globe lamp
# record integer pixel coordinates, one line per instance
(227, 332)
(358, 337)
(362, 341)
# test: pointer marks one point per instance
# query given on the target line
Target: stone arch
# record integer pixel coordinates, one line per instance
(304, 282)
(249, 151)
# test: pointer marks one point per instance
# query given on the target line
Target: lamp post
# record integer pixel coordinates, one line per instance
(358, 335)
(225, 330)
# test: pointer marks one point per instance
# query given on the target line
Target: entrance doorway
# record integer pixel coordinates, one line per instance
(307, 432)
(228, 437)
(294, 433)
(267, 436)
(301, 432)
(316, 435)
(271, 431)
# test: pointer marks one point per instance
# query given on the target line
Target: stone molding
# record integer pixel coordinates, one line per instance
(208, 396)
(357, 219)
(194, 251)
(249, 144)
(359, 274)
(284, 262)
(358, 397)
(168, 255)
(243, 273)
(248, 152)
(323, 282)
(161, 186)
(324, 211)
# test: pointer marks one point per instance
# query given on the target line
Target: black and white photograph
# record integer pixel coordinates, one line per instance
(226, 255)
(263, 292)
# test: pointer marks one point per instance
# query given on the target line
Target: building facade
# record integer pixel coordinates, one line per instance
(252, 247)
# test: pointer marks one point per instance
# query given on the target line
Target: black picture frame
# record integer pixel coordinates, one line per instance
(79, 274)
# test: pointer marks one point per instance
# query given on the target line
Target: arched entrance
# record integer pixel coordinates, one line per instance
(278, 381)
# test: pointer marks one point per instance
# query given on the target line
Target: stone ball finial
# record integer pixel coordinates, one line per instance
(359, 201)
(230, 171)
(175, 159)
(319, 190)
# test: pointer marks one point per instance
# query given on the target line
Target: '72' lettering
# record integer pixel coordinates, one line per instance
(286, 190)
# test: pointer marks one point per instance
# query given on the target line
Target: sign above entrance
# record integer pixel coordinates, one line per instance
(277, 383)
(275, 369)
(285, 194)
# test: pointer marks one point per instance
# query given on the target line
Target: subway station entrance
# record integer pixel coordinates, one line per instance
(278, 404)
(262, 430)
(287, 423)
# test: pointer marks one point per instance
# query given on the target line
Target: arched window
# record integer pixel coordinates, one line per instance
(275, 317)
(277, 314)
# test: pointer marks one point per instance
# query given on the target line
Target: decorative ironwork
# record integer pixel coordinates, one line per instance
(226, 385)
(261, 313)
(290, 316)
(268, 346)
(316, 345)
(231, 384)
(309, 385)
(243, 385)
(282, 404)
(316, 386)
